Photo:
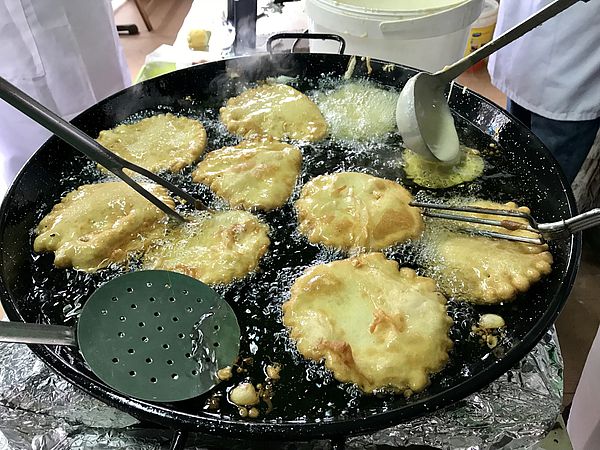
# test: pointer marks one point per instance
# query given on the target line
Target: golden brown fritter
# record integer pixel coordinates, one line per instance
(100, 224)
(374, 325)
(484, 270)
(161, 142)
(439, 175)
(214, 248)
(275, 110)
(351, 210)
(253, 174)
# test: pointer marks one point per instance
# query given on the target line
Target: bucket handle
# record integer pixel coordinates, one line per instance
(322, 36)
(415, 28)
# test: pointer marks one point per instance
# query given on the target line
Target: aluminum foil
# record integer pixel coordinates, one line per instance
(41, 411)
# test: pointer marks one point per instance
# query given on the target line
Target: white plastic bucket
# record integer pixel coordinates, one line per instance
(482, 30)
(427, 34)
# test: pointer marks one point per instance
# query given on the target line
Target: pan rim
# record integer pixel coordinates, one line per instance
(310, 430)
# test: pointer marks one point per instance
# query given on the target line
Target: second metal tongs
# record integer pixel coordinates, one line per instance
(92, 149)
(506, 220)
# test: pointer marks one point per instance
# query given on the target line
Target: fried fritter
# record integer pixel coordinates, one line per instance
(351, 210)
(275, 110)
(374, 325)
(438, 175)
(161, 142)
(253, 174)
(100, 224)
(484, 270)
(358, 110)
(214, 248)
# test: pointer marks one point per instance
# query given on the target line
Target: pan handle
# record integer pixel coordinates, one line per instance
(322, 36)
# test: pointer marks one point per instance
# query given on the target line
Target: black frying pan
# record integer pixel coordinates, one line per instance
(308, 402)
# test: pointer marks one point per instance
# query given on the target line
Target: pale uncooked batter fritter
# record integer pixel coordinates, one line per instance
(358, 110)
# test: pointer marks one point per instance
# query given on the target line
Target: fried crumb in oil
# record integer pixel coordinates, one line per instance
(244, 394)
(273, 371)
(488, 329)
(213, 403)
(225, 373)
(253, 413)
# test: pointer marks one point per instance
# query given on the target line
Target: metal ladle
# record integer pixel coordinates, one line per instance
(422, 113)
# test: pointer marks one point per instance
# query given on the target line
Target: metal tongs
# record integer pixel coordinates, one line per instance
(92, 149)
(545, 231)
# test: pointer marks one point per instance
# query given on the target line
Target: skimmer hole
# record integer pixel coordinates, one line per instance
(188, 355)
(174, 376)
(199, 300)
(216, 344)
(165, 346)
(159, 328)
(189, 309)
(149, 360)
(149, 284)
(181, 335)
(152, 299)
(122, 318)
(133, 306)
(114, 299)
(131, 351)
(115, 360)
(194, 372)
(216, 327)
(130, 290)
(172, 299)
(121, 334)
(175, 319)
(132, 373)
(185, 292)
(156, 314)
(104, 312)
(141, 324)
(170, 362)
(144, 339)
(153, 380)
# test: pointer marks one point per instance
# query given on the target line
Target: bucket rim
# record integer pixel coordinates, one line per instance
(387, 14)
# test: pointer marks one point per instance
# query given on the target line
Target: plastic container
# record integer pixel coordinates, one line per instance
(427, 34)
(482, 30)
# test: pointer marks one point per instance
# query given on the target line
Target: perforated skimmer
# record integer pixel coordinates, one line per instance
(155, 335)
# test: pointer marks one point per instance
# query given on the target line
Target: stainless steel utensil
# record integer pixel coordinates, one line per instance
(544, 231)
(91, 148)
(422, 112)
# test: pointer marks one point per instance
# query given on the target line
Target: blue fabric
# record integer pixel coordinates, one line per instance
(569, 141)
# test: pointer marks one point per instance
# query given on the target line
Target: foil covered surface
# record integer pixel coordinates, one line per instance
(41, 411)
